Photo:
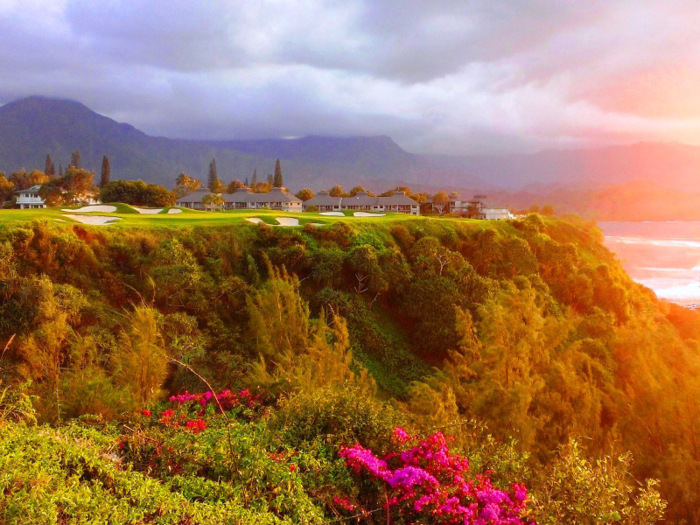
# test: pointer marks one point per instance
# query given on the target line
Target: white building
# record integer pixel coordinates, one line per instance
(30, 198)
(479, 208)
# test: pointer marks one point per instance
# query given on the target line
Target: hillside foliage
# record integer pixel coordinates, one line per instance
(520, 346)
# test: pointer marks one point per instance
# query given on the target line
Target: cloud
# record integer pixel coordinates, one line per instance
(443, 76)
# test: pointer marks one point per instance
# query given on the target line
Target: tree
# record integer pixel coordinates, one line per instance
(43, 351)
(213, 201)
(7, 188)
(246, 183)
(583, 491)
(75, 160)
(279, 318)
(105, 172)
(137, 192)
(49, 168)
(398, 189)
(270, 180)
(143, 364)
(184, 185)
(548, 210)
(278, 181)
(23, 180)
(213, 182)
(60, 170)
(254, 180)
(336, 191)
(360, 189)
(234, 185)
(440, 200)
(73, 187)
(305, 194)
(78, 182)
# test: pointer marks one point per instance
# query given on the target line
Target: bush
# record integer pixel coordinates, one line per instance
(335, 417)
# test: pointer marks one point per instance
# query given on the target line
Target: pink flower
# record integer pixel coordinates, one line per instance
(344, 503)
(426, 483)
(400, 435)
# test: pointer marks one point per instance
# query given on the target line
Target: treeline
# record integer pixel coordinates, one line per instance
(74, 186)
(185, 184)
(77, 185)
(528, 326)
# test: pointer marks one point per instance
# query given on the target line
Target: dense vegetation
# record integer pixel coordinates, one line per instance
(523, 342)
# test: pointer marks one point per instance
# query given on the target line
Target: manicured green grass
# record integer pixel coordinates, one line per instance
(131, 217)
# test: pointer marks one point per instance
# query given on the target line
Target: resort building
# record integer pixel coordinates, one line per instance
(244, 199)
(324, 202)
(399, 202)
(479, 208)
(30, 198)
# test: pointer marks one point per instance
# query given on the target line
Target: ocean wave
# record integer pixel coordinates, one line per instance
(668, 243)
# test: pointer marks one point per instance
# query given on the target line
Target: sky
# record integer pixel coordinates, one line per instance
(450, 77)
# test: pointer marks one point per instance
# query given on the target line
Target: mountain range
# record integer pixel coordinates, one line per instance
(32, 127)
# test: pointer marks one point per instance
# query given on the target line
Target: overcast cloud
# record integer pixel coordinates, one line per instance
(438, 76)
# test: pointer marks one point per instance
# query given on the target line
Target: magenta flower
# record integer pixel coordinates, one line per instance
(426, 483)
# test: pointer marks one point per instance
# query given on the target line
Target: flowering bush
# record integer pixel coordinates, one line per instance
(425, 482)
(208, 455)
(226, 398)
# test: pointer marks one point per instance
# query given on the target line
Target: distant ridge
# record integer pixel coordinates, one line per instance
(32, 127)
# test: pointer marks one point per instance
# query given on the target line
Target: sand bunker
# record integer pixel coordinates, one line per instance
(89, 209)
(287, 221)
(148, 211)
(254, 220)
(333, 213)
(95, 220)
(365, 214)
(174, 210)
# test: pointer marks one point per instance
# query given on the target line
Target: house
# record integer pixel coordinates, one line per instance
(30, 199)
(324, 202)
(479, 208)
(276, 199)
(243, 199)
(398, 202)
(193, 200)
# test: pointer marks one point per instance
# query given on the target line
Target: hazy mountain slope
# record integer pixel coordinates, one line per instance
(32, 127)
(633, 201)
(673, 164)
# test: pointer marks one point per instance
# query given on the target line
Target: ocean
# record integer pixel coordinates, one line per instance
(664, 256)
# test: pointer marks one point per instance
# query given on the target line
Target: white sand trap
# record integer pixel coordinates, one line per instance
(95, 220)
(148, 211)
(333, 213)
(365, 214)
(316, 223)
(287, 221)
(90, 209)
(174, 210)
(254, 220)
